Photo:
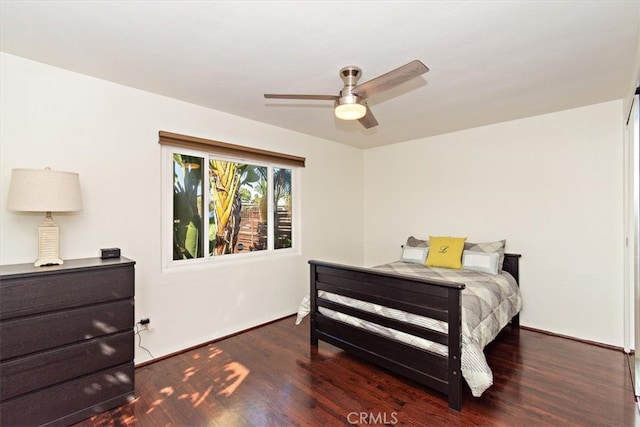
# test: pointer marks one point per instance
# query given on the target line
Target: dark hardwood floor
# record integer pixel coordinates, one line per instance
(271, 376)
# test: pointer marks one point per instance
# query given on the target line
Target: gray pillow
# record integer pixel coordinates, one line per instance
(417, 243)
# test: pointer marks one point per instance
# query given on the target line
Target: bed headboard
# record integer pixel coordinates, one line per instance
(512, 265)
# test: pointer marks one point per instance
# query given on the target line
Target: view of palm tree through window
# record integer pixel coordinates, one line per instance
(187, 206)
(282, 207)
(236, 207)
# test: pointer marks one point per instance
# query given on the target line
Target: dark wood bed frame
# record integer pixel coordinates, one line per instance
(435, 299)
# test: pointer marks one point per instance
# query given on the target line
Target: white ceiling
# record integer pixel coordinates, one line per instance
(490, 61)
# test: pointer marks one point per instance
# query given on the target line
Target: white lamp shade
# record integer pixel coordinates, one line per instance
(44, 190)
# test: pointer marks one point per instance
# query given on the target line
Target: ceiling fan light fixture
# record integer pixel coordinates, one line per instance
(350, 108)
(351, 103)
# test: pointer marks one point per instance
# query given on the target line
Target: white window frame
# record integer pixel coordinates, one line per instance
(168, 263)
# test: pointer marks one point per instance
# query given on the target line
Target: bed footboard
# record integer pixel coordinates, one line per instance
(437, 300)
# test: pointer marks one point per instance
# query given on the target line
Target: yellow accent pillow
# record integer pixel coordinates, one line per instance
(445, 252)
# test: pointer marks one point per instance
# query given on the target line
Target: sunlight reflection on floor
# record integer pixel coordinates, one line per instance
(193, 386)
(237, 374)
(222, 381)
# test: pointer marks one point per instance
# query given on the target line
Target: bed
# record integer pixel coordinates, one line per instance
(415, 320)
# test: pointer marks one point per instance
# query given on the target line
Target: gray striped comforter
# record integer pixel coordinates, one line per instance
(488, 303)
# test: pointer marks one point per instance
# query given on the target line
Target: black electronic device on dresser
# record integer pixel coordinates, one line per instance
(66, 340)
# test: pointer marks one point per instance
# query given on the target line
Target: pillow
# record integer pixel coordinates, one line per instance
(417, 243)
(445, 252)
(486, 262)
(414, 255)
(488, 247)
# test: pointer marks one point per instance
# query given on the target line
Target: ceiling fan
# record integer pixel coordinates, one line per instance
(351, 103)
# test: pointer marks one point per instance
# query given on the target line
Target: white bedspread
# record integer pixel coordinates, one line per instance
(488, 303)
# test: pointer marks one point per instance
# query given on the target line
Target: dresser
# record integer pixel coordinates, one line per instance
(66, 340)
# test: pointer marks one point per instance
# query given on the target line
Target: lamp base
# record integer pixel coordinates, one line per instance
(48, 243)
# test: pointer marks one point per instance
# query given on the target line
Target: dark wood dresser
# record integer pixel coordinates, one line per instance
(66, 340)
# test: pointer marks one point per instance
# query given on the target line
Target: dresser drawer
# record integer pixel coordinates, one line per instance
(27, 335)
(59, 405)
(64, 289)
(26, 374)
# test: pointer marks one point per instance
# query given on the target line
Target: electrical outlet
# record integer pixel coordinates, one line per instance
(145, 323)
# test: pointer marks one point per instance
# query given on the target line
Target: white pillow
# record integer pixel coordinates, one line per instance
(414, 255)
(486, 262)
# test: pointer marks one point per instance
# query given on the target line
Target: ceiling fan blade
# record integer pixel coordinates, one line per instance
(391, 79)
(369, 120)
(314, 97)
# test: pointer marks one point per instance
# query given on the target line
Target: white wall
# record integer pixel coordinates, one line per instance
(552, 185)
(109, 134)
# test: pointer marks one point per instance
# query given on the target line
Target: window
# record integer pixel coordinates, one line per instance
(188, 206)
(283, 208)
(238, 201)
(223, 205)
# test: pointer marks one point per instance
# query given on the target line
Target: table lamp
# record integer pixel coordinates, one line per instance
(45, 190)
